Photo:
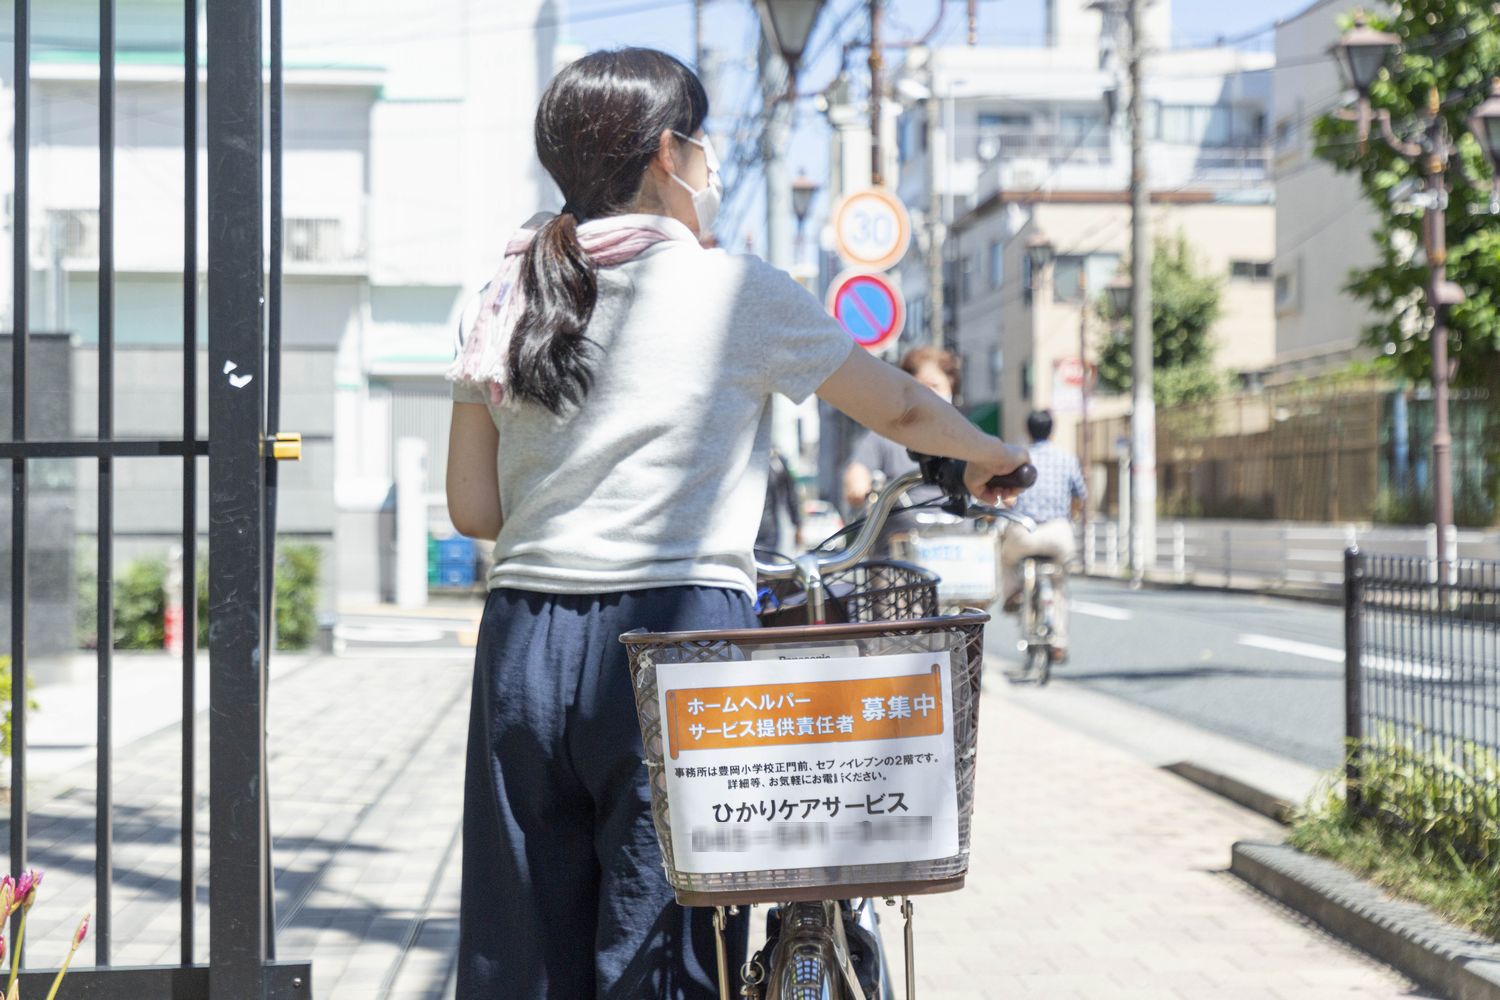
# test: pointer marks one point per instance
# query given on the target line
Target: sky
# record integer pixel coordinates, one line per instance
(732, 28)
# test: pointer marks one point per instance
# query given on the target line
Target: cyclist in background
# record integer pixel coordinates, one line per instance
(1053, 503)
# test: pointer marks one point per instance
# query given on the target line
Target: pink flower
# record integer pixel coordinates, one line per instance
(83, 929)
(26, 887)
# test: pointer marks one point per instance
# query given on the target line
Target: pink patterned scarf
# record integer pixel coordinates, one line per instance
(609, 241)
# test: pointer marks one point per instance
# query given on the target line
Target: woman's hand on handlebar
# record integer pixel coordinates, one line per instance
(977, 476)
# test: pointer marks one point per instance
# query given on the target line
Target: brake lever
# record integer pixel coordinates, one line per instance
(1003, 513)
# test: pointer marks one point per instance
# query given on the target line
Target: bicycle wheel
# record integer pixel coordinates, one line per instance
(1039, 663)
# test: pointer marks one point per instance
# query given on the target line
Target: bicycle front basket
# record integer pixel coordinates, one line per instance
(816, 762)
(875, 590)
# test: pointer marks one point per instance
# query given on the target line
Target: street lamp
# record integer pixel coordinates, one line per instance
(804, 188)
(1038, 256)
(788, 24)
(1361, 53)
(1484, 122)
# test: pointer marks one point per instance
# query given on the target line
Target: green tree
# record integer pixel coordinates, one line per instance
(1184, 307)
(1454, 46)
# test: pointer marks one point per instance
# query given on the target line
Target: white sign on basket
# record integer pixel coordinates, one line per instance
(964, 563)
(803, 763)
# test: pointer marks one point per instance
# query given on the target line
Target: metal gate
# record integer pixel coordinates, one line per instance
(242, 449)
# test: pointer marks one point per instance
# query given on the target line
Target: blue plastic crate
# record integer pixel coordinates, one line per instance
(456, 575)
(455, 550)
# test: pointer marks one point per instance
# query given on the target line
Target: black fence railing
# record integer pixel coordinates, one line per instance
(242, 393)
(1422, 685)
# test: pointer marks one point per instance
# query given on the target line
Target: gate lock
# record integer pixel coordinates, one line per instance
(286, 446)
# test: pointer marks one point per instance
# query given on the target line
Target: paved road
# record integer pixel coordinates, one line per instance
(1262, 670)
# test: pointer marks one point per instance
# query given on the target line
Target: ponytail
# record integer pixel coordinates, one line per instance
(598, 127)
(550, 360)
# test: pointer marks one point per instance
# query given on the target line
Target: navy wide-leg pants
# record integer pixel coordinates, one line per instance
(564, 897)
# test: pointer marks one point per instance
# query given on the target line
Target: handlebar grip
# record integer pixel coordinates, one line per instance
(1020, 479)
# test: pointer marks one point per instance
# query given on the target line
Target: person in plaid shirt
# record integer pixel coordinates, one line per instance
(1053, 503)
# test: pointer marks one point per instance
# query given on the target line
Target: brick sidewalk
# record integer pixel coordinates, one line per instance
(1095, 875)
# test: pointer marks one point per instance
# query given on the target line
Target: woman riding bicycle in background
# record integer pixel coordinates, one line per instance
(611, 432)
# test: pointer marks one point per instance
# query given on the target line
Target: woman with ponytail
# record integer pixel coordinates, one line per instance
(611, 431)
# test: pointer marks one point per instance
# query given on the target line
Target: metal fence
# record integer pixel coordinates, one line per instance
(1271, 555)
(243, 412)
(1422, 687)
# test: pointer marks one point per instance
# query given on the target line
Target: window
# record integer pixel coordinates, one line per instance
(1288, 289)
(966, 278)
(1070, 270)
(997, 264)
(1208, 125)
(1028, 277)
(1250, 270)
(993, 129)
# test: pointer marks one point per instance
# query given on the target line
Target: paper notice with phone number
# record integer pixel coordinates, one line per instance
(809, 763)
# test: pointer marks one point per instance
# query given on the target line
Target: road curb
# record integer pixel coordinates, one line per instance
(1235, 790)
(1407, 936)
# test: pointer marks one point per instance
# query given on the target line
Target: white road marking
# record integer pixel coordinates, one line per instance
(1330, 654)
(1101, 611)
(1307, 649)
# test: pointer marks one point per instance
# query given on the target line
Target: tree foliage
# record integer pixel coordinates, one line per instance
(1453, 45)
(1184, 307)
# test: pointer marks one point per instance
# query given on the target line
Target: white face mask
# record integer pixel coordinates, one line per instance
(705, 201)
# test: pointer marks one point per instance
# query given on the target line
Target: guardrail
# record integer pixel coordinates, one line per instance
(1285, 555)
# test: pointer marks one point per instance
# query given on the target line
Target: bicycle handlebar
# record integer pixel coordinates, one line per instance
(945, 473)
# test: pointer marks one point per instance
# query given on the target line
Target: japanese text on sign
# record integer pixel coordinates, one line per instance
(809, 763)
(874, 708)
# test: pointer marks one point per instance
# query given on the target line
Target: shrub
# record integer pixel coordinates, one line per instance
(140, 600)
(140, 605)
(1428, 827)
(297, 568)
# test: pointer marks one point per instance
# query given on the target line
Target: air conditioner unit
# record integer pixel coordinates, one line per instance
(313, 241)
(73, 233)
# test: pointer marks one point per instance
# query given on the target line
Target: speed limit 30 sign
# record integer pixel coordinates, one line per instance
(871, 229)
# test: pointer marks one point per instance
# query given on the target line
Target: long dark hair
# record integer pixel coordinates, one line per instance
(597, 129)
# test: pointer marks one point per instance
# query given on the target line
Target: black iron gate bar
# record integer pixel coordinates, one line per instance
(240, 471)
(20, 327)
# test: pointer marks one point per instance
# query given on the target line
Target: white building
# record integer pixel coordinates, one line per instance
(986, 128)
(407, 162)
(1323, 224)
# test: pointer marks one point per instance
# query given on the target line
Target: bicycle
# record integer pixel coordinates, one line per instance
(1039, 596)
(860, 618)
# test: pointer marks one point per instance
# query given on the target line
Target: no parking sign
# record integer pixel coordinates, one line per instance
(869, 307)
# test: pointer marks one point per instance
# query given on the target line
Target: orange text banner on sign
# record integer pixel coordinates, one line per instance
(768, 715)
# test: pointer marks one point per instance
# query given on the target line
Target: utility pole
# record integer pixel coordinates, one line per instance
(774, 142)
(698, 37)
(973, 22)
(1083, 398)
(877, 155)
(1143, 410)
(935, 227)
(1435, 232)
